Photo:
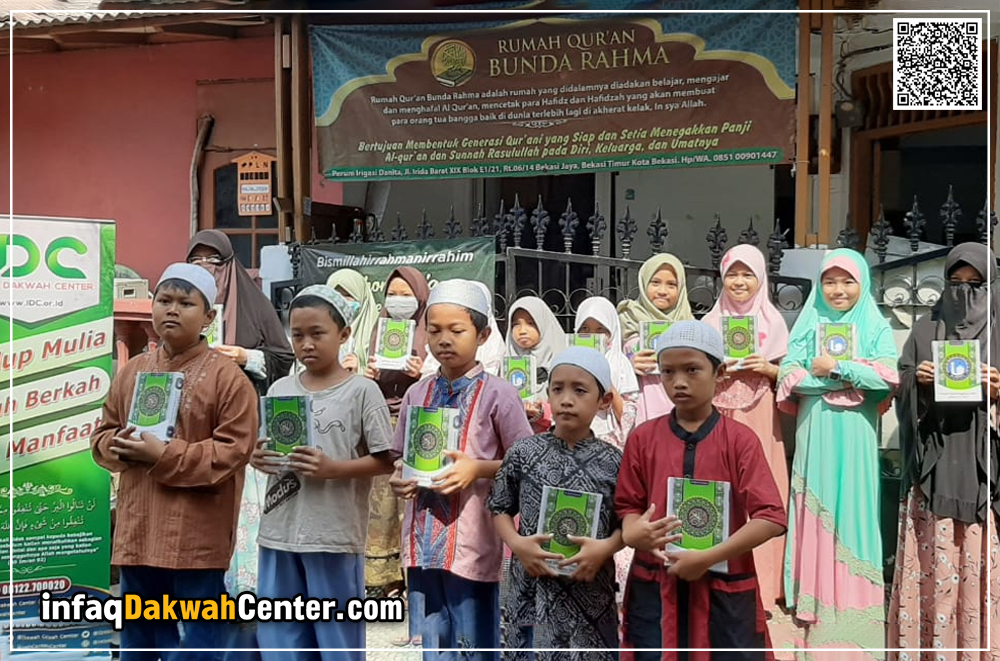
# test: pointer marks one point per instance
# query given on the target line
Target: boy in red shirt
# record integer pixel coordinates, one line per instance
(673, 599)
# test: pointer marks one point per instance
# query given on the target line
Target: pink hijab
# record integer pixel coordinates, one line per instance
(772, 336)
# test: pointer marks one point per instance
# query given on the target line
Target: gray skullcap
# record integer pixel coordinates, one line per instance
(692, 335)
(194, 275)
(461, 292)
(587, 359)
(338, 302)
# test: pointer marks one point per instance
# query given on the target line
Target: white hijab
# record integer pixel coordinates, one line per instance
(552, 338)
(603, 312)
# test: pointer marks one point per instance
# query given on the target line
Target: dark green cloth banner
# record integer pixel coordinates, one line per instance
(472, 259)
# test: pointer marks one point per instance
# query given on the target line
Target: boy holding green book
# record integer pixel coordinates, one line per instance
(562, 591)
(315, 517)
(450, 550)
(679, 598)
(178, 498)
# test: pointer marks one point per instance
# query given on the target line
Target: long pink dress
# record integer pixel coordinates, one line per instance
(761, 416)
(748, 397)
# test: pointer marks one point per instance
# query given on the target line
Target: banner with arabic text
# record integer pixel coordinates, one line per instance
(556, 95)
(57, 301)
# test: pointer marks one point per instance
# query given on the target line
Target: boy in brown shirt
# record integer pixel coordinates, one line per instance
(178, 498)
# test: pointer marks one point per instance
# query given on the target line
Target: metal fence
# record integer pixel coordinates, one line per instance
(564, 279)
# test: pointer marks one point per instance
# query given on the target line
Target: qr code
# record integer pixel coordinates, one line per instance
(937, 64)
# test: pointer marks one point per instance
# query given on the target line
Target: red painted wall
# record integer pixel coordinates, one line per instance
(110, 134)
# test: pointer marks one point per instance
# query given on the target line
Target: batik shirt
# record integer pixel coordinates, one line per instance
(564, 613)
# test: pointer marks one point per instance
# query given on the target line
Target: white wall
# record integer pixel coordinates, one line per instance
(411, 198)
(690, 199)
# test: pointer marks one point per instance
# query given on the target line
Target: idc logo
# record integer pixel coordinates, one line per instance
(49, 268)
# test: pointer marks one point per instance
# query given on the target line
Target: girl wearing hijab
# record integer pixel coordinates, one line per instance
(253, 334)
(833, 558)
(945, 543)
(597, 316)
(406, 293)
(406, 298)
(354, 287)
(255, 339)
(535, 331)
(747, 395)
(490, 353)
(663, 296)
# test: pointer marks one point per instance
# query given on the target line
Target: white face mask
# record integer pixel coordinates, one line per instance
(401, 307)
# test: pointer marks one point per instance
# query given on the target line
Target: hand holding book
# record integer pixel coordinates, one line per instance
(403, 488)
(690, 565)
(145, 449)
(267, 461)
(313, 462)
(644, 362)
(754, 363)
(823, 365)
(462, 472)
(645, 534)
(593, 554)
(925, 373)
(535, 559)
(991, 377)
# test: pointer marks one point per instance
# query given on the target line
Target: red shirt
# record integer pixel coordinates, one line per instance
(721, 450)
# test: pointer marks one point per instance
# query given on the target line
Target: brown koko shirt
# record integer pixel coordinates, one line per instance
(181, 512)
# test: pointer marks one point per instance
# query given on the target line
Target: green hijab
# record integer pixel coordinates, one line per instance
(633, 313)
(875, 342)
(357, 287)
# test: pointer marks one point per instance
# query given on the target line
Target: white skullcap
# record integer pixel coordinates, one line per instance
(466, 293)
(587, 359)
(692, 335)
(194, 275)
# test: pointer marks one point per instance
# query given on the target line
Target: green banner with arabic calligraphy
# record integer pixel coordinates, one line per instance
(57, 302)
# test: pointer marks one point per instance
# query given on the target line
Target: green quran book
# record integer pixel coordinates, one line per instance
(593, 341)
(214, 331)
(649, 332)
(739, 334)
(564, 513)
(519, 371)
(703, 508)
(156, 400)
(394, 343)
(957, 372)
(286, 423)
(429, 432)
(836, 340)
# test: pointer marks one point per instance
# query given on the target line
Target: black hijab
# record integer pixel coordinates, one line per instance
(249, 319)
(945, 444)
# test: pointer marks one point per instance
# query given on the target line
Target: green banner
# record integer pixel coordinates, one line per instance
(472, 259)
(58, 305)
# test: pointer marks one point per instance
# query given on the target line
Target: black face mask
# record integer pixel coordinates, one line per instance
(967, 304)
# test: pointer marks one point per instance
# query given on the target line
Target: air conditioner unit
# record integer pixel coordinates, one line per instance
(131, 288)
